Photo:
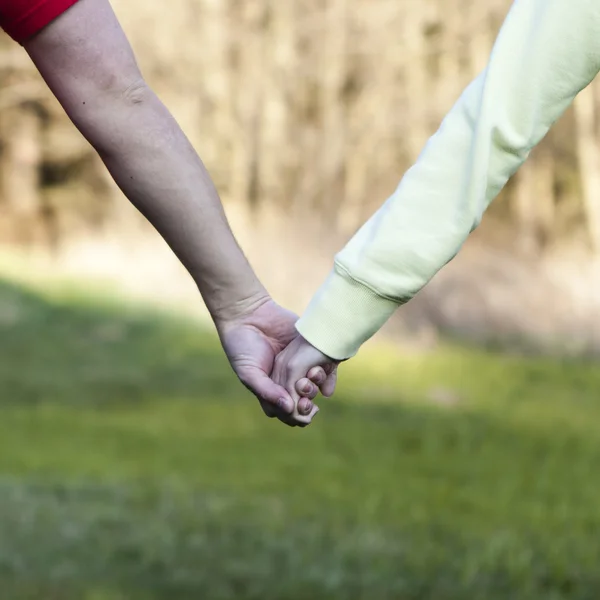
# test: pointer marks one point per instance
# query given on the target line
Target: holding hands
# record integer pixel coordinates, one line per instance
(275, 363)
(302, 370)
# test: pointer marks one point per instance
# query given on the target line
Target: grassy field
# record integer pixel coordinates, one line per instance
(134, 466)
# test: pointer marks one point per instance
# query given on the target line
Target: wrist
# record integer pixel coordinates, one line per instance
(343, 315)
(233, 309)
(315, 353)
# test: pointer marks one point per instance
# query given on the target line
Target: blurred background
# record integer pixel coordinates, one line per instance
(459, 458)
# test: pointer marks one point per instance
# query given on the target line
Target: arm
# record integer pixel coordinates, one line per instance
(546, 52)
(88, 64)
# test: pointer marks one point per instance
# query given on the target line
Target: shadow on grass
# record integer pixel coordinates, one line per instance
(135, 466)
(87, 352)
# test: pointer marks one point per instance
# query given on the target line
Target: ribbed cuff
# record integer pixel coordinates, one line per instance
(343, 315)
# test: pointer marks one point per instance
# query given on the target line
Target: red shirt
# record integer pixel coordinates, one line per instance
(22, 19)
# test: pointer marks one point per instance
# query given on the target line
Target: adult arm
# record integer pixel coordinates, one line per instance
(545, 54)
(87, 62)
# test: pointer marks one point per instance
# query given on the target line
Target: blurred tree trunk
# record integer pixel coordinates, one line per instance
(282, 78)
(249, 97)
(545, 192)
(415, 78)
(533, 201)
(218, 93)
(20, 169)
(333, 77)
(478, 35)
(305, 105)
(452, 24)
(524, 209)
(589, 161)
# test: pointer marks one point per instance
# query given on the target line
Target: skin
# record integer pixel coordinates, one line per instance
(89, 65)
(299, 364)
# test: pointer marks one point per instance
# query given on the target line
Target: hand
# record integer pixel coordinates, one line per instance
(251, 341)
(301, 365)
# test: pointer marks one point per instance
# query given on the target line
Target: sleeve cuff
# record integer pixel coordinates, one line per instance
(343, 315)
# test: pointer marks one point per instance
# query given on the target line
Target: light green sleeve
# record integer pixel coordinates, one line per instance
(545, 54)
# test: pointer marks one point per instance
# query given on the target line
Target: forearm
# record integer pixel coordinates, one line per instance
(547, 51)
(88, 64)
(156, 167)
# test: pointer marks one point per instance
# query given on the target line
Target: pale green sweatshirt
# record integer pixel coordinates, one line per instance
(546, 53)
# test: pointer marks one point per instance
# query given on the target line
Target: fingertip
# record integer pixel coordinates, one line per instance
(304, 420)
(286, 405)
(305, 406)
(328, 388)
(317, 375)
(269, 392)
(306, 389)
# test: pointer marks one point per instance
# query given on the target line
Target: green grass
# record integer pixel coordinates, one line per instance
(134, 466)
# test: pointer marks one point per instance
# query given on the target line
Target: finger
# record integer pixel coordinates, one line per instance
(267, 391)
(304, 406)
(328, 388)
(288, 420)
(305, 419)
(317, 375)
(325, 377)
(306, 388)
(302, 416)
(305, 422)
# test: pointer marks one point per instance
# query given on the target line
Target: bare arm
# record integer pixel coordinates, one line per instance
(88, 64)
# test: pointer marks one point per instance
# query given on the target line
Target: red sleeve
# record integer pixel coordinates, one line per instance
(22, 19)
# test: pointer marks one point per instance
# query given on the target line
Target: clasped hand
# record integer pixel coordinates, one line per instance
(276, 364)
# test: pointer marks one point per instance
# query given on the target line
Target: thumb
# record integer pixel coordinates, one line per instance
(266, 390)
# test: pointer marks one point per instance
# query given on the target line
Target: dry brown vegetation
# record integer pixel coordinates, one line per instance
(314, 109)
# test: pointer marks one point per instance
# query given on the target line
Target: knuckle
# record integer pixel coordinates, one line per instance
(279, 363)
(292, 367)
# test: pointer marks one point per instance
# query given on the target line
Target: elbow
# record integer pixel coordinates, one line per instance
(104, 113)
(110, 96)
(135, 92)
